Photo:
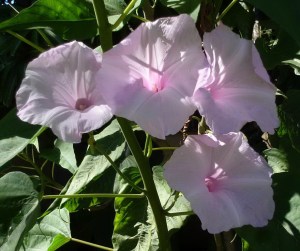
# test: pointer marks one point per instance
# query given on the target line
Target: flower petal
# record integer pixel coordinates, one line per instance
(52, 87)
(228, 185)
(157, 60)
(237, 91)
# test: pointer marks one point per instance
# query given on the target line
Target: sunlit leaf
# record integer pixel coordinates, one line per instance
(94, 165)
(62, 154)
(133, 229)
(19, 209)
(15, 135)
(49, 233)
(277, 159)
(72, 19)
(169, 199)
(115, 9)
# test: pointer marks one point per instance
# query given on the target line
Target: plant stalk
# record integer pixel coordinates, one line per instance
(95, 195)
(142, 162)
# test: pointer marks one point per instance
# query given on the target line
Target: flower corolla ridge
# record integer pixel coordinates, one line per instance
(59, 91)
(238, 89)
(150, 76)
(227, 183)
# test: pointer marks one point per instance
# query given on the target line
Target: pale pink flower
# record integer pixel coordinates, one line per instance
(227, 183)
(150, 76)
(238, 89)
(59, 91)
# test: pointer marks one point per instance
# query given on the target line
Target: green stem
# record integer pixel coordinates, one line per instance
(43, 35)
(124, 14)
(25, 40)
(151, 192)
(95, 195)
(113, 164)
(148, 10)
(140, 18)
(91, 244)
(170, 148)
(227, 9)
(103, 25)
(147, 142)
(219, 242)
(179, 213)
(43, 177)
(142, 162)
(38, 30)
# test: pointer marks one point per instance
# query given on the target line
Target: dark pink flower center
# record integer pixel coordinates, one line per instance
(82, 104)
(154, 87)
(211, 184)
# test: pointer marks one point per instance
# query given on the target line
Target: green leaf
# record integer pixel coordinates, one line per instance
(285, 225)
(190, 7)
(284, 13)
(277, 47)
(277, 159)
(241, 17)
(115, 9)
(49, 233)
(93, 166)
(72, 19)
(19, 209)
(290, 117)
(168, 198)
(133, 229)
(15, 135)
(62, 154)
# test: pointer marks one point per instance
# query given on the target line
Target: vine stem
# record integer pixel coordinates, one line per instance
(25, 40)
(227, 9)
(179, 213)
(92, 143)
(124, 14)
(150, 189)
(103, 25)
(142, 162)
(91, 244)
(165, 148)
(93, 195)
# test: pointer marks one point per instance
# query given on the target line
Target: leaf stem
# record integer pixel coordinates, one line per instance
(103, 25)
(226, 10)
(91, 244)
(148, 10)
(25, 40)
(95, 195)
(124, 14)
(179, 213)
(43, 177)
(113, 164)
(147, 142)
(140, 18)
(170, 148)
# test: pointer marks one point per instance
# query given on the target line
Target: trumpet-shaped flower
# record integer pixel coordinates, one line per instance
(150, 76)
(238, 89)
(227, 183)
(59, 91)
